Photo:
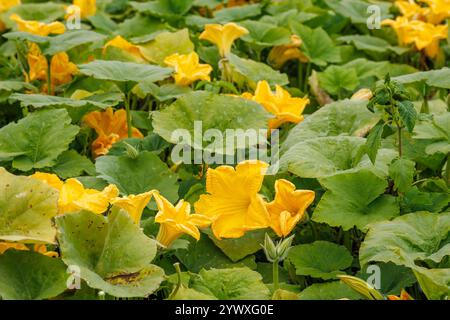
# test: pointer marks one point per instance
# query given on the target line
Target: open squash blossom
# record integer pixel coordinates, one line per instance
(403, 296)
(233, 202)
(5, 5)
(86, 8)
(177, 220)
(187, 68)
(438, 10)
(288, 208)
(401, 28)
(279, 55)
(362, 94)
(37, 63)
(280, 104)
(40, 248)
(121, 43)
(223, 36)
(411, 10)
(110, 127)
(37, 27)
(133, 204)
(74, 197)
(62, 69)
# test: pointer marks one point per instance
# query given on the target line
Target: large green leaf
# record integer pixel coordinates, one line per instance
(231, 284)
(250, 72)
(195, 113)
(322, 157)
(71, 164)
(42, 101)
(320, 259)
(47, 12)
(334, 290)
(26, 275)
(265, 34)
(165, 44)
(124, 71)
(347, 118)
(112, 253)
(338, 79)
(437, 131)
(142, 174)
(27, 207)
(37, 140)
(434, 78)
(164, 8)
(435, 283)
(356, 10)
(317, 44)
(355, 199)
(372, 44)
(71, 39)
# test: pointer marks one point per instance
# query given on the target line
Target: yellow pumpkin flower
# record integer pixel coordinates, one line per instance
(403, 296)
(86, 8)
(74, 197)
(233, 202)
(279, 55)
(62, 69)
(223, 36)
(5, 5)
(126, 46)
(177, 220)
(288, 208)
(362, 94)
(280, 104)
(110, 127)
(438, 10)
(187, 68)
(133, 204)
(411, 10)
(37, 63)
(39, 248)
(37, 27)
(401, 26)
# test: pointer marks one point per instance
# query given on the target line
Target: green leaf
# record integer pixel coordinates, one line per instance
(161, 93)
(46, 12)
(402, 172)
(36, 140)
(231, 284)
(356, 10)
(372, 44)
(316, 45)
(333, 290)
(27, 207)
(435, 130)
(265, 34)
(327, 156)
(42, 101)
(124, 71)
(203, 254)
(182, 118)
(416, 200)
(346, 118)
(435, 283)
(250, 72)
(191, 294)
(336, 78)
(166, 44)
(237, 249)
(71, 39)
(164, 8)
(320, 259)
(142, 174)
(408, 114)
(71, 164)
(112, 253)
(12, 85)
(26, 275)
(355, 199)
(373, 141)
(434, 78)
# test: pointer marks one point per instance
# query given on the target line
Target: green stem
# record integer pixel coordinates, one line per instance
(399, 134)
(307, 74)
(178, 270)
(49, 76)
(300, 75)
(275, 275)
(127, 108)
(447, 170)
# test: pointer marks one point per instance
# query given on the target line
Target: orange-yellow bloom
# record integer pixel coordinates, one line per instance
(288, 208)
(187, 68)
(86, 8)
(280, 104)
(74, 197)
(403, 296)
(223, 36)
(40, 248)
(110, 127)
(437, 11)
(126, 46)
(133, 204)
(279, 55)
(37, 63)
(233, 202)
(5, 5)
(177, 220)
(62, 69)
(37, 27)
(411, 10)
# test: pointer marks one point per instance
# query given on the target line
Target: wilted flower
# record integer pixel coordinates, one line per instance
(362, 94)
(233, 202)
(110, 127)
(187, 68)
(279, 55)
(133, 204)
(177, 220)
(403, 296)
(223, 36)
(289, 206)
(37, 27)
(126, 46)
